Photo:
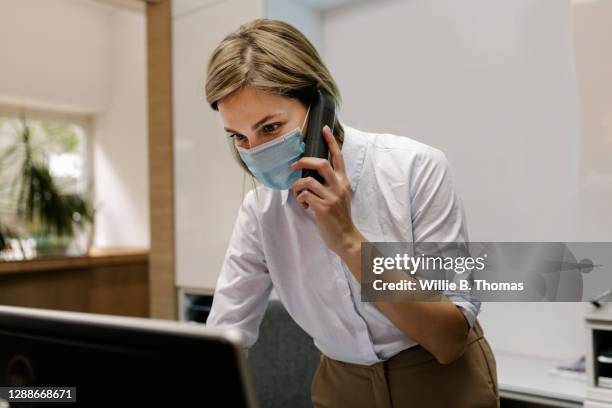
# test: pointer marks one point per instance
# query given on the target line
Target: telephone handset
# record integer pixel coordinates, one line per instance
(322, 112)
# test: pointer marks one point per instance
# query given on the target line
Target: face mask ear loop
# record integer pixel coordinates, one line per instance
(305, 117)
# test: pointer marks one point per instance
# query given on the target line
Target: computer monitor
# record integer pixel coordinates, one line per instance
(122, 361)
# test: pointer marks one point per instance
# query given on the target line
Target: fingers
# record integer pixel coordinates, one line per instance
(334, 150)
(322, 166)
(308, 199)
(310, 183)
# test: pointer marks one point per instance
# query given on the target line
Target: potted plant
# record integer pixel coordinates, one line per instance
(50, 215)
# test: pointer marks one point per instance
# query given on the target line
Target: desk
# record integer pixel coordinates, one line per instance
(527, 379)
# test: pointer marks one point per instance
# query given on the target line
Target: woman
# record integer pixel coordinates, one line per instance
(303, 237)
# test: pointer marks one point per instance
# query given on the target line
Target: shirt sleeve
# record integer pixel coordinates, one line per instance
(243, 286)
(438, 215)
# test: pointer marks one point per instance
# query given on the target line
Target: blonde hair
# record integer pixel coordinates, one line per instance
(272, 56)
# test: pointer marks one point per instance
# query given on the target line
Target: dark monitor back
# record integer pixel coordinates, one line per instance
(121, 361)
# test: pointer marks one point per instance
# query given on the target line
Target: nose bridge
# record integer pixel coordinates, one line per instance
(254, 140)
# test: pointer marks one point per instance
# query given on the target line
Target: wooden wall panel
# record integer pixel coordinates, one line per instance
(108, 285)
(163, 299)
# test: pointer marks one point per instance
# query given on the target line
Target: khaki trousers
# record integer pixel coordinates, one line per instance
(411, 378)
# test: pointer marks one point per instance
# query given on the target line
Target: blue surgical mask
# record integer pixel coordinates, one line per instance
(269, 162)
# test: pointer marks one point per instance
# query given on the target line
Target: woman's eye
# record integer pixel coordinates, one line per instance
(270, 128)
(237, 137)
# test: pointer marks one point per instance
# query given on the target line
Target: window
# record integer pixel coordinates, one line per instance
(58, 143)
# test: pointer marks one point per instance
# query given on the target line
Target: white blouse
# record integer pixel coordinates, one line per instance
(401, 191)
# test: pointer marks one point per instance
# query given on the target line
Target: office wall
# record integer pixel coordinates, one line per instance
(492, 84)
(299, 14)
(593, 47)
(85, 57)
(592, 36)
(121, 140)
(54, 53)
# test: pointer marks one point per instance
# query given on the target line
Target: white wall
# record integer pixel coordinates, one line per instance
(492, 84)
(306, 18)
(80, 56)
(55, 53)
(593, 40)
(121, 139)
(557, 329)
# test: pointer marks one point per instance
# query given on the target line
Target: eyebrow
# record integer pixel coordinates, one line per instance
(259, 122)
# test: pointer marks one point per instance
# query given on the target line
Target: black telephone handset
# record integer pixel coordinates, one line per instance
(322, 112)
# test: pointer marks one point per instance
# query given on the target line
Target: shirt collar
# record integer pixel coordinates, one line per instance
(353, 151)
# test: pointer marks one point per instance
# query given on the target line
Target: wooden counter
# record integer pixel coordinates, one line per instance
(110, 281)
